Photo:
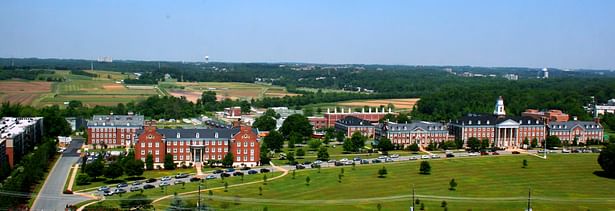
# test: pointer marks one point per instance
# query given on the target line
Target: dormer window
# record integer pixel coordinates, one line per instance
(216, 135)
(487, 121)
(479, 122)
(128, 124)
(536, 121)
(178, 136)
(197, 135)
(470, 122)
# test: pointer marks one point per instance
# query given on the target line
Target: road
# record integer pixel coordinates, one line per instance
(51, 197)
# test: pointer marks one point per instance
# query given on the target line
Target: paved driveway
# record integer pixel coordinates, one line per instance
(51, 197)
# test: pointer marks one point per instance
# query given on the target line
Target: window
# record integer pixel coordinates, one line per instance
(142, 152)
(168, 150)
(207, 150)
(251, 144)
(149, 144)
(213, 149)
(175, 143)
(157, 144)
(225, 143)
(181, 150)
(238, 151)
(127, 136)
(245, 158)
(174, 150)
(142, 144)
(157, 160)
(174, 157)
(245, 151)
(225, 149)
(245, 144)
(219, 157)
(181, 157)
(157, 152)
(219, 149)
(238, 144)
(238, 159)
(252, 151)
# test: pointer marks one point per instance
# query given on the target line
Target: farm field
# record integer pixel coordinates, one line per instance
(563, 182)
(23, 92)
(227, 90)
(95, 92)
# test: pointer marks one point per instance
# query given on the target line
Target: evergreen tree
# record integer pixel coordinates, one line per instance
(228, 159)
(168, 162)
(149, 162)
(425, 167)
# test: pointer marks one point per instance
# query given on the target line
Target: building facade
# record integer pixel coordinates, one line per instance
(191, 146)
(114, 130)
(420, 132)
(18, 136)
(350, 124)
(548, 116)
(502, 131)
(581, 131)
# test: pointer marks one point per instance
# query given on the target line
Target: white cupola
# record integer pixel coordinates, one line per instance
(499, 107)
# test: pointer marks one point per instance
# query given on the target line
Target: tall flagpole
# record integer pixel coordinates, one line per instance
(412, 202)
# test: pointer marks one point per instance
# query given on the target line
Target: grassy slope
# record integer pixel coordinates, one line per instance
(556, 184)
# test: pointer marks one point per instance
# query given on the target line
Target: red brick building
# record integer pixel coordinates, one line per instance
(548, 116)
(114, 130)
(420, 132)
(351, 124)
(199, 145)
(581, 131)
(329, 118)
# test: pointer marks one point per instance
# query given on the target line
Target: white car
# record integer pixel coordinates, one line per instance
(565, 151)
(343, 159)
(473, 154)
(414, 158)
(382, 157)
(424, 156)
(318, 162)
(435, 156)
(165, 183)
(165, 178)
(395, 156)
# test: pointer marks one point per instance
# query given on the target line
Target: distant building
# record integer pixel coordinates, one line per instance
(375, 116)
(76, 123)
(581, 131)
(548, 116)
(114, 130)
(18, 136)
(602, 109)
(420, 132)
(502, 131)
(512, 77)
(195, 146)
(350, 124)
(232, 112)
(318, 122)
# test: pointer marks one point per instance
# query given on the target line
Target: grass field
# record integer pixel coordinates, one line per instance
(146, 175)
(23, 92)
(231, 90)
(563, 182)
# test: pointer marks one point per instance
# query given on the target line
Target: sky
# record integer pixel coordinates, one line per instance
(520, 33)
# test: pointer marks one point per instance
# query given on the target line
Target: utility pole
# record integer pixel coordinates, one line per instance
(529, 200)
(198, 205)
(412, 202)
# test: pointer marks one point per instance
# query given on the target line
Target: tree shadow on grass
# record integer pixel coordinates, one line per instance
(134, 178)
(113, 181)
(97, 179)
(604, 174)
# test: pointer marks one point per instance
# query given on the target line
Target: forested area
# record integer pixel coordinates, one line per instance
(26, 74)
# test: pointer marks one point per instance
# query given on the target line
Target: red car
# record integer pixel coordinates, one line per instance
(516, 152)
(495, 153)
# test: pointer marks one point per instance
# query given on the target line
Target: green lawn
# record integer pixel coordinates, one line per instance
(157, 192)
(146, 174)
(563, 182)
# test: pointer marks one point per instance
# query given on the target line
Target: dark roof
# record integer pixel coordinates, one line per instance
(353, 121)
(477, 120)
(205, 133)
(587, 125)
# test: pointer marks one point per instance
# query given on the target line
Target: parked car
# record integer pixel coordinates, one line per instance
(435, 156)
(299, 166)
(195, 179)
(484, 153)
(306, 162)
(576, 151)
(388, 160)
(119, 190)
(108, 193)
(245, 168)
(356, 159)
(314, 165)
(414, 157)
(424, 156)
(343, 159)
(495, 153)
(338, 163)
(450, 155)
(265, 170)
(150, 180)
(165, 178)
(237, 173)
(135, 188)
(225, 175)
(148, 186)
(516, 152)
(395, 156)
(364, 161)
(211, 176)
(318, 161)
(164, 183)
(376, 161)
(331, 161)
(135, 183)
(103, 188)
(217, 171)
(181, 175)
(382, 157)
(230, 170)
(252, 172)
(122, 185)
(596, 150)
